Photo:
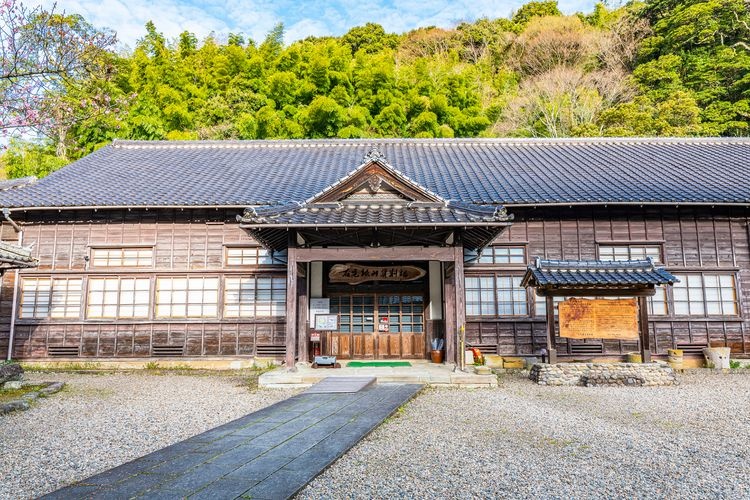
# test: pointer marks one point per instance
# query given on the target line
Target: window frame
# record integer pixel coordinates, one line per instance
(733, 274)
(50, 303)
(50, 299)
(495, 275)
(659, 245)
(122, 248)
(119, 292)
(187, 316)
(257, 248)
(239, 304)
(509, 246)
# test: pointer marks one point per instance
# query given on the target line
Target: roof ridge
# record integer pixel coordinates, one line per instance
(431, 142)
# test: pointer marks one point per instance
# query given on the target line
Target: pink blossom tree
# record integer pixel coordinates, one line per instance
(49, 61)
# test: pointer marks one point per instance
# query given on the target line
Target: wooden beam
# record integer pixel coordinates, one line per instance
(449, 294)
(291, 308)
(644, 331)
(303, 344)
(596, 292)
(444, 254)
(458, 279)
(551, 343)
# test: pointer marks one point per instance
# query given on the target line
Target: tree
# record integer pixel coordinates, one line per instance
(369, 38)
(535, 9)
(44, 54)
(548, 42)
(699, 48)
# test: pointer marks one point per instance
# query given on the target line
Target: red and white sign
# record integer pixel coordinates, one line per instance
(383, 324)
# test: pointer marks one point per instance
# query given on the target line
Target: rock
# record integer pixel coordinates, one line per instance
(10, 372)
(18, 404)
(12, 384)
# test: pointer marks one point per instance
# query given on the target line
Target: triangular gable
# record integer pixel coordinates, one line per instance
(375, 180)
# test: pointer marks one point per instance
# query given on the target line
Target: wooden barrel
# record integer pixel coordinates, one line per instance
(675, 358)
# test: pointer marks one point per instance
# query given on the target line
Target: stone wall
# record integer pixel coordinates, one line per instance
(597, 374)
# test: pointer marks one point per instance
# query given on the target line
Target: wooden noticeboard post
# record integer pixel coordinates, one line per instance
(620, 326)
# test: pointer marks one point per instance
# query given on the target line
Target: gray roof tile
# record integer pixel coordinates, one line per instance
(15, 257)
(491, 171)
(576, 273)
(366, 214)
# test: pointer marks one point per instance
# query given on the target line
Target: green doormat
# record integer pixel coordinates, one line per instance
(361, 364)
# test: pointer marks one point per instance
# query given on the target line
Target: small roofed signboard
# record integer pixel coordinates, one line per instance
(598, 319)
(355, 274)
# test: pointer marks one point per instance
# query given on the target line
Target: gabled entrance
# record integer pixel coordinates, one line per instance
(377, 216)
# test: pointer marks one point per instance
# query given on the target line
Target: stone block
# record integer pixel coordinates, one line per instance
(598, 374)
(493, 360)
(513, 363)
(10, 372)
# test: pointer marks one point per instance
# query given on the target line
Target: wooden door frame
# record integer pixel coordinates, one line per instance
(377, 335)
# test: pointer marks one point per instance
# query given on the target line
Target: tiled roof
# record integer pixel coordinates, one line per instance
(582, 273)
(491, 171)
(15, 257)
(352, 214)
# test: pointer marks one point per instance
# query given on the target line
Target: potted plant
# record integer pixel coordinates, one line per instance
(437, 350)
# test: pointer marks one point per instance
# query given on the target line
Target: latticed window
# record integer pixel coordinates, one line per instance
(503, 255)
(118, 297)
(247, 256)
(705, 295)
(540, 306)
(45, 297)
(657, 303)
(187, 297)
(630, 252)
(122, 257)
(250, 296)
(495, 295)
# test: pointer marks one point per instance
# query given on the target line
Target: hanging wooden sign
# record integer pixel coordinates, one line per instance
(355, 274)
(598, 319)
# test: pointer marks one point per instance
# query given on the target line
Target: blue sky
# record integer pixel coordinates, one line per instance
(255, 18)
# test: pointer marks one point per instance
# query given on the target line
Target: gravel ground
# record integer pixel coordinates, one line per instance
(100, 421)
(522, 440)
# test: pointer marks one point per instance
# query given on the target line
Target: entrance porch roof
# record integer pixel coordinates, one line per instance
(376, 196)
(595, 274)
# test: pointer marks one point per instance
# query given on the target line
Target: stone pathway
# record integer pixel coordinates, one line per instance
(269, 454)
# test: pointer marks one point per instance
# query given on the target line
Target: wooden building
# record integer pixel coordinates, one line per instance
(202, 249)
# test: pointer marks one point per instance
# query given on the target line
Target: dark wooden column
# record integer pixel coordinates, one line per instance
(291, 307)
(458, 277)
(551, 343)
(644, 331)
(449, 295)
(303, 346)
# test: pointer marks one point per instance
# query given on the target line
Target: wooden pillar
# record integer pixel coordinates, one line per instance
(551, 343)
(449, 293)
(291, 307)
(303, 348)
(645, 334)
(458, 277)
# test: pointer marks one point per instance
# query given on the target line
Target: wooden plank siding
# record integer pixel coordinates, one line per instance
(185, 243)
(692, 239)
(191, 242)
